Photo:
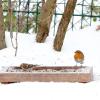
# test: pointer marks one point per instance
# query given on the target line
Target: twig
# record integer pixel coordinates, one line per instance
(16, 49)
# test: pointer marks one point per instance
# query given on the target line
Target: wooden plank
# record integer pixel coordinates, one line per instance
(47, 76)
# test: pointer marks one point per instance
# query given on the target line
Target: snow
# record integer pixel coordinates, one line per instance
(48, 91)
(86, 40)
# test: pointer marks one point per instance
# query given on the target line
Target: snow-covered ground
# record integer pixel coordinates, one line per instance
(86, 40)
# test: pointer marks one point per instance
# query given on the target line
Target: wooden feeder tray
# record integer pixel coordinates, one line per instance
(47, 74)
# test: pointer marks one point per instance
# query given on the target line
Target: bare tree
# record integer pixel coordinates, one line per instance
(2, 31)
(45, 20)
(10, 23)
(63, 25)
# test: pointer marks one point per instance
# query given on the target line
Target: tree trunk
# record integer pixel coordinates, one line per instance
(43, 2)
(45, 20)
(10, 16)
(2, 31)
(63, 25)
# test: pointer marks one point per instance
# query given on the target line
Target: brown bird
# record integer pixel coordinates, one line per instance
(25, 66)
(79, 57)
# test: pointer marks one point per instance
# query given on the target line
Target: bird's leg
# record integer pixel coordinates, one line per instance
(76, 64)
(75, 67)
(81, 65)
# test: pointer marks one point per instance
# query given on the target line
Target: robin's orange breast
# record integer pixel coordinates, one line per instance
(79, 56)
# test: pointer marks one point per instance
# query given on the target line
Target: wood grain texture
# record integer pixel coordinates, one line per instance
(46, 77)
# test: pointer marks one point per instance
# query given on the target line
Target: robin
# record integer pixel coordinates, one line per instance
(79, 57)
